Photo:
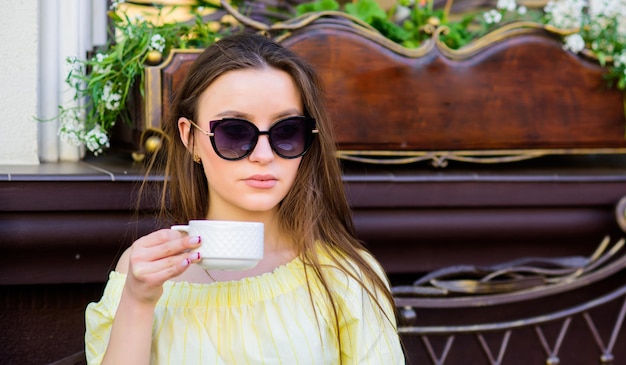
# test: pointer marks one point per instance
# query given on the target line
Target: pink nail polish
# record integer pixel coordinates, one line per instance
(186, 262)
(194, 240)
(198, 258)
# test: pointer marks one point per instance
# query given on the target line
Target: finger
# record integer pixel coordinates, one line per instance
(165, 268)
(159, 237)
(165, 249)
(175, 247)
(192, 258)
(147, 280)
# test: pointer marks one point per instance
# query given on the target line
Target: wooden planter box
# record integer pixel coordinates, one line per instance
(512, 95)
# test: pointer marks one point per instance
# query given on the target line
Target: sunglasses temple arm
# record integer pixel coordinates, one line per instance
(200, 129)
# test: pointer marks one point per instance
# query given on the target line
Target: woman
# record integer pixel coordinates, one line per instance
(249, 140)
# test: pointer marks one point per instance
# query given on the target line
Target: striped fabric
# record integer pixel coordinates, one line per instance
(268, 319)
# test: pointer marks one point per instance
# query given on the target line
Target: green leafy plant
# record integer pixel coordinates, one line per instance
(104, 83)
(598, 30)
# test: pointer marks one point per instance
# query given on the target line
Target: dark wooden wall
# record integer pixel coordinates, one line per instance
(62, 228)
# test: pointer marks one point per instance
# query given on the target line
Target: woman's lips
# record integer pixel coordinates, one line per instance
(261, 181)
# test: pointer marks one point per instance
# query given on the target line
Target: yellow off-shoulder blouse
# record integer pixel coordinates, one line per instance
(267, 319)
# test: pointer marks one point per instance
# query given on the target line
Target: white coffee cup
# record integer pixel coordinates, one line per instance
(227, 245)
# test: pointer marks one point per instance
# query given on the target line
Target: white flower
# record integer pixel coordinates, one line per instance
(157, 42)
(574, 43)
(602, 46)
(606, 8)
(70, 137)
(71, 130)
(621, 30)
(129, 32)
(72, 64)
(74, 69)
(522, 10)
(595, 29)
(97, 67)
(402, 13)
(620, 60)
(492, 17)
(566, 14)
(601, 15)
(96, 140)
(110, 98)
(604, 12)
(115, 4)
(508, 5)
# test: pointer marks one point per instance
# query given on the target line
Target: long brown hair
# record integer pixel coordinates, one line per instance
(315, 212)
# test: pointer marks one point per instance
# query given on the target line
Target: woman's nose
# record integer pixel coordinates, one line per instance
(262, 151)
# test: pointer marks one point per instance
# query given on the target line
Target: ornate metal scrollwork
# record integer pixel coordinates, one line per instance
(469, 287)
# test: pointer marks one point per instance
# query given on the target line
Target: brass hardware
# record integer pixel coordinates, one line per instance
(441, 158)
(153, 144)
(138, 156)
(152, 141)
(154, 57)
(434, 21)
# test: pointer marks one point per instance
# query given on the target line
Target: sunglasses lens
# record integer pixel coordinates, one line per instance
(291, 137)
(234, 138)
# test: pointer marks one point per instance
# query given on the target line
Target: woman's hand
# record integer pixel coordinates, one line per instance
(155, 258)
(148, 263)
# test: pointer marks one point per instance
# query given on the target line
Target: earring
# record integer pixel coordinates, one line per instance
(196, 158)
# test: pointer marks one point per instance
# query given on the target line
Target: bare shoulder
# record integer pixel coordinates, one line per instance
(122, 263)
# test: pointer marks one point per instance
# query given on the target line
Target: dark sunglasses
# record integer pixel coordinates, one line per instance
(234, 138)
